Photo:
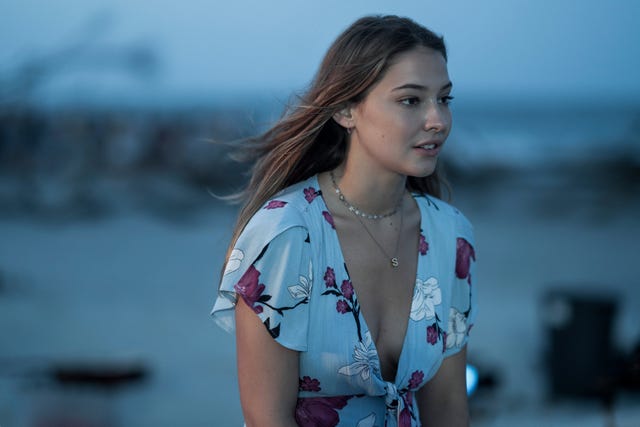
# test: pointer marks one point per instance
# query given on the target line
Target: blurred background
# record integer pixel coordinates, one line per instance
(111, 241)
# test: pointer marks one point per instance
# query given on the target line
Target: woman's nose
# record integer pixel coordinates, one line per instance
(437, 117)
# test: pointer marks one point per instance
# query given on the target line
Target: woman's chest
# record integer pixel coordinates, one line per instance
(384, 295)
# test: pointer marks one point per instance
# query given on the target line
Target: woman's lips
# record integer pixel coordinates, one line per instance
(429, 149)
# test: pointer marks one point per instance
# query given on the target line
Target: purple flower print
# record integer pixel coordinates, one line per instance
(327, 216)
(307, 383)
(342, 306)
(423, 247)
(464, 255)
(416, 380)
(310, 194)
(330, 278)
(275, 204)
(320, 411)
(347, 289)
(249, 289)
(347, 301)
(432, 334)
(404, 420)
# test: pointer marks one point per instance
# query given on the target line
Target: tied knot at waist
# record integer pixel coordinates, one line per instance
(392, 398)
(396, 402)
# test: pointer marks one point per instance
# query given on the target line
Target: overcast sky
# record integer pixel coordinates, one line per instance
(555, 48)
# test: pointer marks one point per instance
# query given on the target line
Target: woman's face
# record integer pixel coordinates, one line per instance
(404, 120)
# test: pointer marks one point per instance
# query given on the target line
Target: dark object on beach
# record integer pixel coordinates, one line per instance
(580, 358)
(630, 372)
(106, 375)
(489, 379)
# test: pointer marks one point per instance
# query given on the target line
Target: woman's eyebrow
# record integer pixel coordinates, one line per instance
(420, 87)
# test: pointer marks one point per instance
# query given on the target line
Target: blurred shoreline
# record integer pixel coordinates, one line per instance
(59, 162)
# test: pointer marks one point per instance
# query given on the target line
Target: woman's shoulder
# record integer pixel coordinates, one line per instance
(287, 208)
(442, 211)
(297, 196)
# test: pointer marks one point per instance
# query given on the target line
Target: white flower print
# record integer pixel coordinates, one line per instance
(365, 360)
(457, 328)
(235, 259)
(303, 288)
(426, 296)
(369, 421)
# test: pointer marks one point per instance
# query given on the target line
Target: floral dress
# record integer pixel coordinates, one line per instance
(288, 266)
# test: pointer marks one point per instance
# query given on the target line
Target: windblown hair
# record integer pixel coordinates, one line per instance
(306, 140)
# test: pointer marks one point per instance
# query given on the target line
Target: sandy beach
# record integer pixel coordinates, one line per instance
(136, 286)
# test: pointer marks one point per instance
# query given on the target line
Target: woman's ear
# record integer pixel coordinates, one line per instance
(344, 118)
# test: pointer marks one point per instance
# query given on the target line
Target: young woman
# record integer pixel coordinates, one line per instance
(348, 280)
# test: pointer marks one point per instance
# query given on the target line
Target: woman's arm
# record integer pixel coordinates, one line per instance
(267, 373)
(442, 401)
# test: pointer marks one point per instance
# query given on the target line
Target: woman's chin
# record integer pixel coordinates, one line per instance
(424, 171)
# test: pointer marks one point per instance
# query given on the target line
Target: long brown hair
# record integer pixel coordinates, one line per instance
(306, 140)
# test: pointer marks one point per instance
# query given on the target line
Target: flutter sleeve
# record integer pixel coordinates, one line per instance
(270, 269)
(463, 309)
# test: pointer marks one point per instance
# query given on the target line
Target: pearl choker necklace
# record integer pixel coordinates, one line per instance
(357, 211)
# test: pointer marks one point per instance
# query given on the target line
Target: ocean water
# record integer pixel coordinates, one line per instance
(543, 135)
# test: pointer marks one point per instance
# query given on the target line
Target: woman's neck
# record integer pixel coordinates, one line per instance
(373, 193)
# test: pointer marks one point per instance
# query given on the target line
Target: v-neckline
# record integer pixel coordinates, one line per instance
(362, 320)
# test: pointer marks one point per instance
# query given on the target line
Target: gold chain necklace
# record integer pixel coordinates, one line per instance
(393, 259)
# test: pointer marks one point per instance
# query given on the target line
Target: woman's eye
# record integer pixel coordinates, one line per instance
(410, 101)
(446, 100)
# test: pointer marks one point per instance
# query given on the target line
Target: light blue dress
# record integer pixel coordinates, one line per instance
(288, 266)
